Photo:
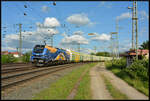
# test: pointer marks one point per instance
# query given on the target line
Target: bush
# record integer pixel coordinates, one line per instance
(139, 69)
(121, 63)
(137, 74)
(26, 57)
(8, 59)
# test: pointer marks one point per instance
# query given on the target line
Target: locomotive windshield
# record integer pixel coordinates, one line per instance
(39, 48)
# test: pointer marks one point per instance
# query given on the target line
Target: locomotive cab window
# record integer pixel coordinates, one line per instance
(39, 48)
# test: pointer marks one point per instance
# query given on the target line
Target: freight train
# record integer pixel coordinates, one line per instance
(44, 55)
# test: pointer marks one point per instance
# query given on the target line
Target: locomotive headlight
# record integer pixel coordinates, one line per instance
(41, 61)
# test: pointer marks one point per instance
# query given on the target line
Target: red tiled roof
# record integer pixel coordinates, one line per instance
(4, 52)
(140, 52)
(13, 52)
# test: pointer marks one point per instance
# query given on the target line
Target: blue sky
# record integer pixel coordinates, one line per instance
(101, 19)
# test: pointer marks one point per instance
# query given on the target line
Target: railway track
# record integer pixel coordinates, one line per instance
(14, 78)
(16, 69)
(14, 64)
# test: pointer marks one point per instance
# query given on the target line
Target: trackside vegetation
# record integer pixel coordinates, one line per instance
(11, 59)
(62, 87)
(26, 57)
(137, 74)
(8, 59)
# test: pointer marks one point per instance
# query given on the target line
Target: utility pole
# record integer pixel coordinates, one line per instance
(20, 40)
(79, 47)
(44, 42)
(17, 49)
(134, 27)
(111, 47)
(133, 23)
(51, 37)
(136, 23)
(117, 41)
(114, 45)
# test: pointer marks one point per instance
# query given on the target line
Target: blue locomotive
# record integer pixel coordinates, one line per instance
(44, 55)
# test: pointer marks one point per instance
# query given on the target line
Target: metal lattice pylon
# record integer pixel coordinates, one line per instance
(114, 45)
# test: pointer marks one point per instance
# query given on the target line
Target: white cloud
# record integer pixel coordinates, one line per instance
(124, 16)
(91, 24)
(28, 41)
(51, 22)
(8, 48)
(31, 38)
(78, 19)
(78, 33)
(74, 39)
(45, 9)
(102, 37)
(142, 15)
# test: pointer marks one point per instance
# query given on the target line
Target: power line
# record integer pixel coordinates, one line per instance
(35, 12)
(63, 25)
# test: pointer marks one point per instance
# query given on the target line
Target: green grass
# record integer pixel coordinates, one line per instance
(115, 93)
(84, 92)
(62, 87)
(139, 85)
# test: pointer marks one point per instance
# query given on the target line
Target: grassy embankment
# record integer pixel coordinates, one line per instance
(136, 75)
(62, 87)
(115, 93)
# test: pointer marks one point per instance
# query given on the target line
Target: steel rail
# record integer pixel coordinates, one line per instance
(9, 81)
(14, 64)
(12, 70)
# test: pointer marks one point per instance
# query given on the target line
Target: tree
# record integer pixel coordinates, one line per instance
(92, 53)
(145, 45)
(102, 54)
(26, 56)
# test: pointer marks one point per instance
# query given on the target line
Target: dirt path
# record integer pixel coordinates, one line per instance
(121, 85)
(98, 87)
